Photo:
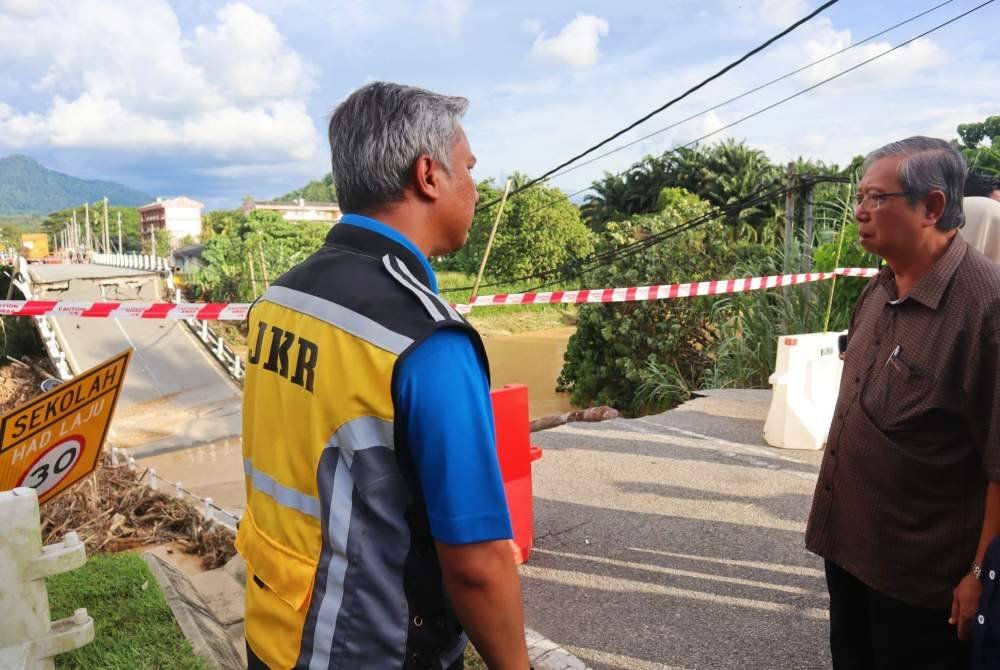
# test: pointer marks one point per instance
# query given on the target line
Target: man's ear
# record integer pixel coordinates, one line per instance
(426, 177)
(934, 205)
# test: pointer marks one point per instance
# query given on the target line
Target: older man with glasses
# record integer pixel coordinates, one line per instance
(908, 497)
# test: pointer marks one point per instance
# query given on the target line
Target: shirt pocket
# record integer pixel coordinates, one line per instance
(898, 394)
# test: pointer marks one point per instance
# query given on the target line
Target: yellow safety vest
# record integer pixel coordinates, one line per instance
(341, 567)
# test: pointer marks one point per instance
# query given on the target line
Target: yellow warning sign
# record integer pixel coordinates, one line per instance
(54, 440)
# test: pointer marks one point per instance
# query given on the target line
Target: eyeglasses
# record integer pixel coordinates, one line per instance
(878, 198)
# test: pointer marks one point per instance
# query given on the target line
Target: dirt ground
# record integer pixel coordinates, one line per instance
(17, 386)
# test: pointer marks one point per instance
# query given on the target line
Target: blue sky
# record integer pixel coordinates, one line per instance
(218, 100)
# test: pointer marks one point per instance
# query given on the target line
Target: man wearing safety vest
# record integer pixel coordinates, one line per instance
(376, 530)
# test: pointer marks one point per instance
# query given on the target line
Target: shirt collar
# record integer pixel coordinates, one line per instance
(376, 226)
(930, 288)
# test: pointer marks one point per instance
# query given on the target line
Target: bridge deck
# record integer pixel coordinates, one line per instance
(48, 274)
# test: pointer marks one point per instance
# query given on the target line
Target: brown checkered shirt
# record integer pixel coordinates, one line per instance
(916, 433)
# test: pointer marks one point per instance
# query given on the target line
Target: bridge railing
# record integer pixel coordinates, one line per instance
(214, 342)
(156, 482)
(22, 281)
(217, 346)
(133, 261)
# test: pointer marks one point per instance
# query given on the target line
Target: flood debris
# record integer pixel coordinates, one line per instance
(590, 415)
(114, 510)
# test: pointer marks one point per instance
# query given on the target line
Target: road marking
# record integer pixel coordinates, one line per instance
(139, 358)
(626, 586)
(696, 441)
(759, 565)
(619, 660)
(213, 362)
(681, 573)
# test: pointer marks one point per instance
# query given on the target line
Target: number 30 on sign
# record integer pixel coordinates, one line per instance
(54, 440)
(53, 465)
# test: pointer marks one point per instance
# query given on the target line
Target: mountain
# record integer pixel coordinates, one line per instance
(27, 187)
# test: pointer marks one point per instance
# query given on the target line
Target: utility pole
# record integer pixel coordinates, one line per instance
(789, 216)
(120, 250)
(76, 233)
(107, 236)
(807, 243)
(86, 214)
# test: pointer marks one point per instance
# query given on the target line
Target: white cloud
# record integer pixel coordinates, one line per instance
(247, 56)
(353, 20)
(531, 26)
(898, 65)
(576, 44)
(782, 12)
(232, 90)
(21, 7)
(449, 13)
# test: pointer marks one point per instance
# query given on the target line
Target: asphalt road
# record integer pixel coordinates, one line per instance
(672, 541)
(175, 395)
(676, 541)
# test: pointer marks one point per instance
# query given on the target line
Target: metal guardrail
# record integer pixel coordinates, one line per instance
(206, 505)
(134, 261)
(214, 342)
(22, 281)
(229, 359)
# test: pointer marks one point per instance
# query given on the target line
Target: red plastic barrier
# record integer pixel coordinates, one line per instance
(516, 453)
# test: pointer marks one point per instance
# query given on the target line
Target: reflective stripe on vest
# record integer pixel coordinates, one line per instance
(285, 495)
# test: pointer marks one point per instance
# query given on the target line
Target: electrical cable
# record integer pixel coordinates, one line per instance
(546, 273)
(753, 199)
(757, 113)
(670, 103)
(752, 90)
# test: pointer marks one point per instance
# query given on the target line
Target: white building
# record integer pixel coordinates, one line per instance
(298, 210)
(179, 216)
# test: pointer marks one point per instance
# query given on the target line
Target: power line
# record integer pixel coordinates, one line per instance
(753, 199)
(753, 90)
(762, 194)
(786, 99)
(589, 265)
(670, 103)
(551, 272)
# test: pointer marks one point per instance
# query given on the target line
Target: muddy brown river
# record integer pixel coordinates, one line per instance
(534, 359)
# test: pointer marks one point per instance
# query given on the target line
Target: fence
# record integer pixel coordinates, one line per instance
(133, 261)
(206, 505)
(22, 281)
(214, 342)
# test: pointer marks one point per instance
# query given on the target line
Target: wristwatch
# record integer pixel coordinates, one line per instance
(977, 570)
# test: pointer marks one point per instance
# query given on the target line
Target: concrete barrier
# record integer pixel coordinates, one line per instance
(29, 640)
(806, 381)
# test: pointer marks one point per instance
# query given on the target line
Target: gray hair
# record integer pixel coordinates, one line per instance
(378, 133)
(929, 164)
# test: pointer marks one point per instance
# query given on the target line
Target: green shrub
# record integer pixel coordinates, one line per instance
(226, 275)
(540, 230)
(620, 351)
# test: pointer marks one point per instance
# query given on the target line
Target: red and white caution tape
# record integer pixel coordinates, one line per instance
(238, 311)
(665, 291)
(219, 311)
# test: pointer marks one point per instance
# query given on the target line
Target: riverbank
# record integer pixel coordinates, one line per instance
(505, 320)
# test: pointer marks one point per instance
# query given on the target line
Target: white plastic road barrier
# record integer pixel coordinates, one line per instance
(806, 381)
(28, 639)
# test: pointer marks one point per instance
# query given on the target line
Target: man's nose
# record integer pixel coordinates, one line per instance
(861, 214)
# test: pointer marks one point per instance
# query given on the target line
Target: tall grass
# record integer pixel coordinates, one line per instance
(750, 324)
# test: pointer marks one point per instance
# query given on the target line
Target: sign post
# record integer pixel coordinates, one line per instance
(54, 440)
